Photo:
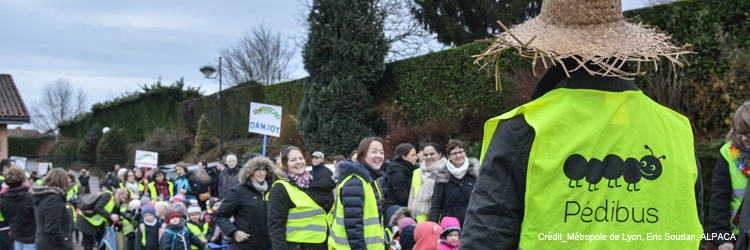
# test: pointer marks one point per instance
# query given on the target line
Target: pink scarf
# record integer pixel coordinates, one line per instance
(301, 181)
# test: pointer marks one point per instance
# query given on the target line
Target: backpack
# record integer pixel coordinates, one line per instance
(86, 204)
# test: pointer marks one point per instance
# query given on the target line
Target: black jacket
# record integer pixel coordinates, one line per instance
(214, 174)
(451, 195)
(84, 181)
(500, 188)
(228, 181)
(353, 200)
(54, 224)
(85, 226)
(152, 236)
(399, 174)
(181, 238)
(18, 210)
(320, 168)
(279, 203)
(248, 206)
(721, 198)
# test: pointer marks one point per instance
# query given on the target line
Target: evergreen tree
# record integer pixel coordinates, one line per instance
(112, 148)
(344, 53)
(458, 22)
(87, 147)
(204, 139)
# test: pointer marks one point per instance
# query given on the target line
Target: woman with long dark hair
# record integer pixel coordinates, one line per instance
(400, 169)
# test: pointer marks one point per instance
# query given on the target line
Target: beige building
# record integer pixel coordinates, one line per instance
(12, 111)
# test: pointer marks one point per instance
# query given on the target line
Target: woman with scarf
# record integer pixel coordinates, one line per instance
(295, 192)
(360, 206)
(423, 181)
(131, 184)
(730, 173)
(454, 184)
(161, 187)
(185, 183)
(246, 202)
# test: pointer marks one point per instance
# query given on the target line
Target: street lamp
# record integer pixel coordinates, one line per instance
(208, 71)
(57, 133)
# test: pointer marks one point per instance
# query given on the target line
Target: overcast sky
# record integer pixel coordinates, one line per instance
(108, 47)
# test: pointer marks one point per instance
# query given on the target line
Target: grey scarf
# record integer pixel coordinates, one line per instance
(262, 188)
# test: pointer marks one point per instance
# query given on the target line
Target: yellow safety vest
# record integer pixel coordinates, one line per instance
(373, 229)
(72, 210)
(599, 137)
(140, 188)
(416, 183)
(307, 222)
(201, 233)
(97, 219)
(152, 189)
(73, 192)
(739, 180)
(127, 227)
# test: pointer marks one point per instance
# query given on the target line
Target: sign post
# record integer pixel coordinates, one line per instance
(146, 159)
(265, 119)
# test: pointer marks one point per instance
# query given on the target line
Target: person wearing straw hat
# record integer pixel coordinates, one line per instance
(591, 156)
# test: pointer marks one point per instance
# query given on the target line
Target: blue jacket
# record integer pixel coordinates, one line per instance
(353, 200)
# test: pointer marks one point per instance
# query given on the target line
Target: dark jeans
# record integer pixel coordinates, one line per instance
(91, 241)
(5, 242)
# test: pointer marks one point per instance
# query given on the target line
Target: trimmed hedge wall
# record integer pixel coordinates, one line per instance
(19, 146)
(138, 113)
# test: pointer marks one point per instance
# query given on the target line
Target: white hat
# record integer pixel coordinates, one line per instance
(193, 209)
(318, 154)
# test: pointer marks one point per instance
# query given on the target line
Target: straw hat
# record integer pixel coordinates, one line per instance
(587, 30)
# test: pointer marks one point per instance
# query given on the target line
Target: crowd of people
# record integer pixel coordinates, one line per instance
(365, 202)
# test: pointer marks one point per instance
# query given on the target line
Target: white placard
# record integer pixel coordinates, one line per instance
(265, 119)
(42, 168)
(20, 161)
(146, 159)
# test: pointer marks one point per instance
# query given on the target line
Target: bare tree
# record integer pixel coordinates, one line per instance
(406, 36)
(60, 102)
(261, 56)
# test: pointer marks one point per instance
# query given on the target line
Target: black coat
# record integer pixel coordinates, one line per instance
(18, 210)
(353, 200)
(399, 174)
(214, 174)
(321, 168)
(451, 195)
(248, 206)
(279, 204)
(85, 226)
(84, 181)
(152, 236)
(721, 198)
(54, 224)
(496, 210)
(228, 181)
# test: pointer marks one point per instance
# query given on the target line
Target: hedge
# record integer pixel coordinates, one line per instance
(138, 113)
(19, 146)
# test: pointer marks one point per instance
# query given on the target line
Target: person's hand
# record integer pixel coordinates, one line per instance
(205, 241)
(182, 190)
(240, 236)
(114, 217)
(726, 246)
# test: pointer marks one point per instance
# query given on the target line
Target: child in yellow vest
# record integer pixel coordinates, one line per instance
(196, 224)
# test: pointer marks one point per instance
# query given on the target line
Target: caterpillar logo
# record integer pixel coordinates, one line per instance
(267, 110)
(612, 167)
